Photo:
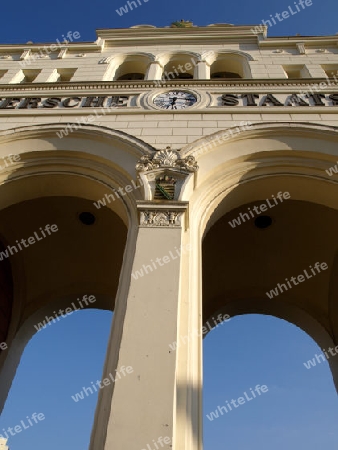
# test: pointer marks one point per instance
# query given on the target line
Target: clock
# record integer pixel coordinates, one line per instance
(175, 100)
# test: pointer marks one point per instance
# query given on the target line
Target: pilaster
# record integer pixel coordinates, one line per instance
(154, 71)
(202, 70)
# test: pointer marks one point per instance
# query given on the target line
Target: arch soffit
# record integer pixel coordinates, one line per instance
(293, 151)
(164, 58)
(109, 163)
(114, 148)
(88, 132)
(269, 131)
(211, 57)
(119, 58)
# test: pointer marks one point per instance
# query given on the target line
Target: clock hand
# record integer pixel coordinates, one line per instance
(173, 103)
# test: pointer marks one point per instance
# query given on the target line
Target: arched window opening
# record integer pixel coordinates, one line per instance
(230, 65)
(180, 67)
(133, 67)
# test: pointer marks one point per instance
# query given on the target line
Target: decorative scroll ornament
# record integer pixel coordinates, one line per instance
(167, 159)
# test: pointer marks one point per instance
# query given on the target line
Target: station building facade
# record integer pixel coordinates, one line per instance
(152, 151)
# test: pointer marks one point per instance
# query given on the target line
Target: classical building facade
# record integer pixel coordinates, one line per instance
(178, 175)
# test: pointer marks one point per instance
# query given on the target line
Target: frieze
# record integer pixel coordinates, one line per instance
(314, 96)
(148, 84)
(153, 214)
(160, 218)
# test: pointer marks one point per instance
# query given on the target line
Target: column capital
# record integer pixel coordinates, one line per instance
(204, 61)
(157, 62)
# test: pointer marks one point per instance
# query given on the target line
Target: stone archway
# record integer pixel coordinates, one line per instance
(54, 181)
(233, 175)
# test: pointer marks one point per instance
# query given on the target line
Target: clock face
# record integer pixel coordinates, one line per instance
(175, 100)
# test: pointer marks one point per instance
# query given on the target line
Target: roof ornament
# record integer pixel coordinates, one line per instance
(182, 24)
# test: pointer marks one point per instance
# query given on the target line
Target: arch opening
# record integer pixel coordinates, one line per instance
(261, 390)
(229, 65)
(180, 67)
(57, 379)
(54, 266)
(131, 67)
(268, 269)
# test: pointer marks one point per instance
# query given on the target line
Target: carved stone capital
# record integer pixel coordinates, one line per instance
(167, 159)
(161, 216)
(154, 218)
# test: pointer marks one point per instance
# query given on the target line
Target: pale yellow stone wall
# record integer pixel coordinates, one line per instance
(98, 61)
(87, 164)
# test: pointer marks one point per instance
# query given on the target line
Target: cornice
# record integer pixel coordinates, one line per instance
(113, 33)
(291, 41)
(209, 34)
(181, 40)
(84, 46)
(87, 88)
(193, 35)
(228, 33)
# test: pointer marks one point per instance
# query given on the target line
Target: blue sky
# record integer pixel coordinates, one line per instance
(243, 352)
(43, 21)
(300, 408)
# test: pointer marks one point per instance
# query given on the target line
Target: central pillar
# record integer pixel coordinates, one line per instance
(155, 402)
(142, 405)
(143, 401)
